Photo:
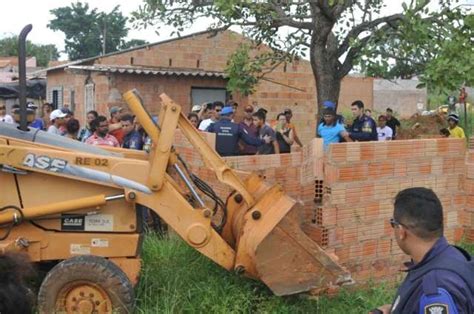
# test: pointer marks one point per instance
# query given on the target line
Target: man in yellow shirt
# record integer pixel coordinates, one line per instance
(455, 130)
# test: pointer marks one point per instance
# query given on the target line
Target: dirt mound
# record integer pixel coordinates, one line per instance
(419, 126)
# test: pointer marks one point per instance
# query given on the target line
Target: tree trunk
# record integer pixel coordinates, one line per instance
(324, 65)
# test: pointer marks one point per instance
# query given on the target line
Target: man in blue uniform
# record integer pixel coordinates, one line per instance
(132, 138)
(229, 133)
(440, 277)
(363, 128)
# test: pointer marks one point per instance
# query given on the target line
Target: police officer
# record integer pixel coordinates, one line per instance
(363, 128)
(440, 277)
(229, 133)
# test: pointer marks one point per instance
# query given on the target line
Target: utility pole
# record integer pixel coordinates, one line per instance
(104, 36)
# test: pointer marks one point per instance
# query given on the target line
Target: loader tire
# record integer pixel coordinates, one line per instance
(86, 284)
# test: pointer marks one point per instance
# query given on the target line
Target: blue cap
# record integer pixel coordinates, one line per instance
(227, 111)
(329, 104)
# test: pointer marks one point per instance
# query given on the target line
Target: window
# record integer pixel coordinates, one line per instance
(55, 97)
(201, 95)
(72, 100)
(89, 98)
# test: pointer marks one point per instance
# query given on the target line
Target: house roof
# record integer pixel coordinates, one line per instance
(4, 61)
(91, 59)
(130, 69)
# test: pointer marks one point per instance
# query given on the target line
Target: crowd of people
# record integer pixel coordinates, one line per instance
(333, 129)
(119, 130)
(254, 134)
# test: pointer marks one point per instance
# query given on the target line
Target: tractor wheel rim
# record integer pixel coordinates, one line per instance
(83, 297)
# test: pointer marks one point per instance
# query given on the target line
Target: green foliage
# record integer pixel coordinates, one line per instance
(337, 34)
(133, 43)
(86, 30)
(242, 72)
(453, 66)
(176, 279)
(43, 53)
(433, 46)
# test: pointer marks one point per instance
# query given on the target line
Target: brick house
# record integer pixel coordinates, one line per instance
(190, 70)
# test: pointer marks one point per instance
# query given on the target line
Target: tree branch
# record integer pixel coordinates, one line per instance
(365, 26)
(284, 20)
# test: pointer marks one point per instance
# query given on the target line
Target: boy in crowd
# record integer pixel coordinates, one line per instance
(455, 130)
(384, 132)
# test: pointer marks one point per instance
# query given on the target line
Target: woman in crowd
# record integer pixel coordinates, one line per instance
(86, 131)
(194, 119)
(46, 110)
(72, 128)
(284, 134)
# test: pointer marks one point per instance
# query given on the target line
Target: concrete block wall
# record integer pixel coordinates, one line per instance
(348, 193)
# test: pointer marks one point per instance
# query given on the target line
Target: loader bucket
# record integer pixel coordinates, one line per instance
(272, 247)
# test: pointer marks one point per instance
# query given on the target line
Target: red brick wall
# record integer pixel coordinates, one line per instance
(360, 183)
(348, 194)
(468, 218)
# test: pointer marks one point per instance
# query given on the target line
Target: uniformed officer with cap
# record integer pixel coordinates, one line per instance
(229, 133)
(363, 128)
(440, 277)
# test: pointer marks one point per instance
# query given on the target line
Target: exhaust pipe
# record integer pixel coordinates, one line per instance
(22, 74)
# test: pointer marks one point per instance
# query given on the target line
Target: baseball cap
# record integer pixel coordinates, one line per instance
(287, 111)
(454, 117)
(115, 109)
(31, 105)
(227, 110)
(329, 104)
(196, 108)
(55, 114)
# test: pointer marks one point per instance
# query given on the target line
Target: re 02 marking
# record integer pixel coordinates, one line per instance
(87, 161)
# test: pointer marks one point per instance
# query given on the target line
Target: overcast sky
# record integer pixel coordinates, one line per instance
(18, 13)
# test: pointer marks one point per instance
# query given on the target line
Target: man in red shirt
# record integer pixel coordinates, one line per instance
(101, 136)
(115, 126)
(251, 129)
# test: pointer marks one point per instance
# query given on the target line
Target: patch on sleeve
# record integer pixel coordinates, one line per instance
(436, 308)
(439, 303)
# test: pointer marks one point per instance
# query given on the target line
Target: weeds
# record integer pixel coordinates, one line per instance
(177, 279)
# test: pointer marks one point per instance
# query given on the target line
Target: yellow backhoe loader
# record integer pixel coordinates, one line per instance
(81, 207)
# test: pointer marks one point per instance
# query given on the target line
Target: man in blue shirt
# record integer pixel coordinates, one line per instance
(37, 122)
(363, 128)
(440, 277)
(229, 133)
(132, 138)
(331, 130)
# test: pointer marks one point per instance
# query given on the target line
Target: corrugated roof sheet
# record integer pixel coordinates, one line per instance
(146, 70)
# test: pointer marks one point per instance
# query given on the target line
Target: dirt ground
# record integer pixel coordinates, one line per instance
(422, 126)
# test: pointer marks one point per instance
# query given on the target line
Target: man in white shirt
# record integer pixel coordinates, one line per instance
(214, 112)
(57, 120)
(384, 132)
(4, 117)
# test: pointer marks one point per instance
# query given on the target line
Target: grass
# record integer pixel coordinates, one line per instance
(176, 278)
